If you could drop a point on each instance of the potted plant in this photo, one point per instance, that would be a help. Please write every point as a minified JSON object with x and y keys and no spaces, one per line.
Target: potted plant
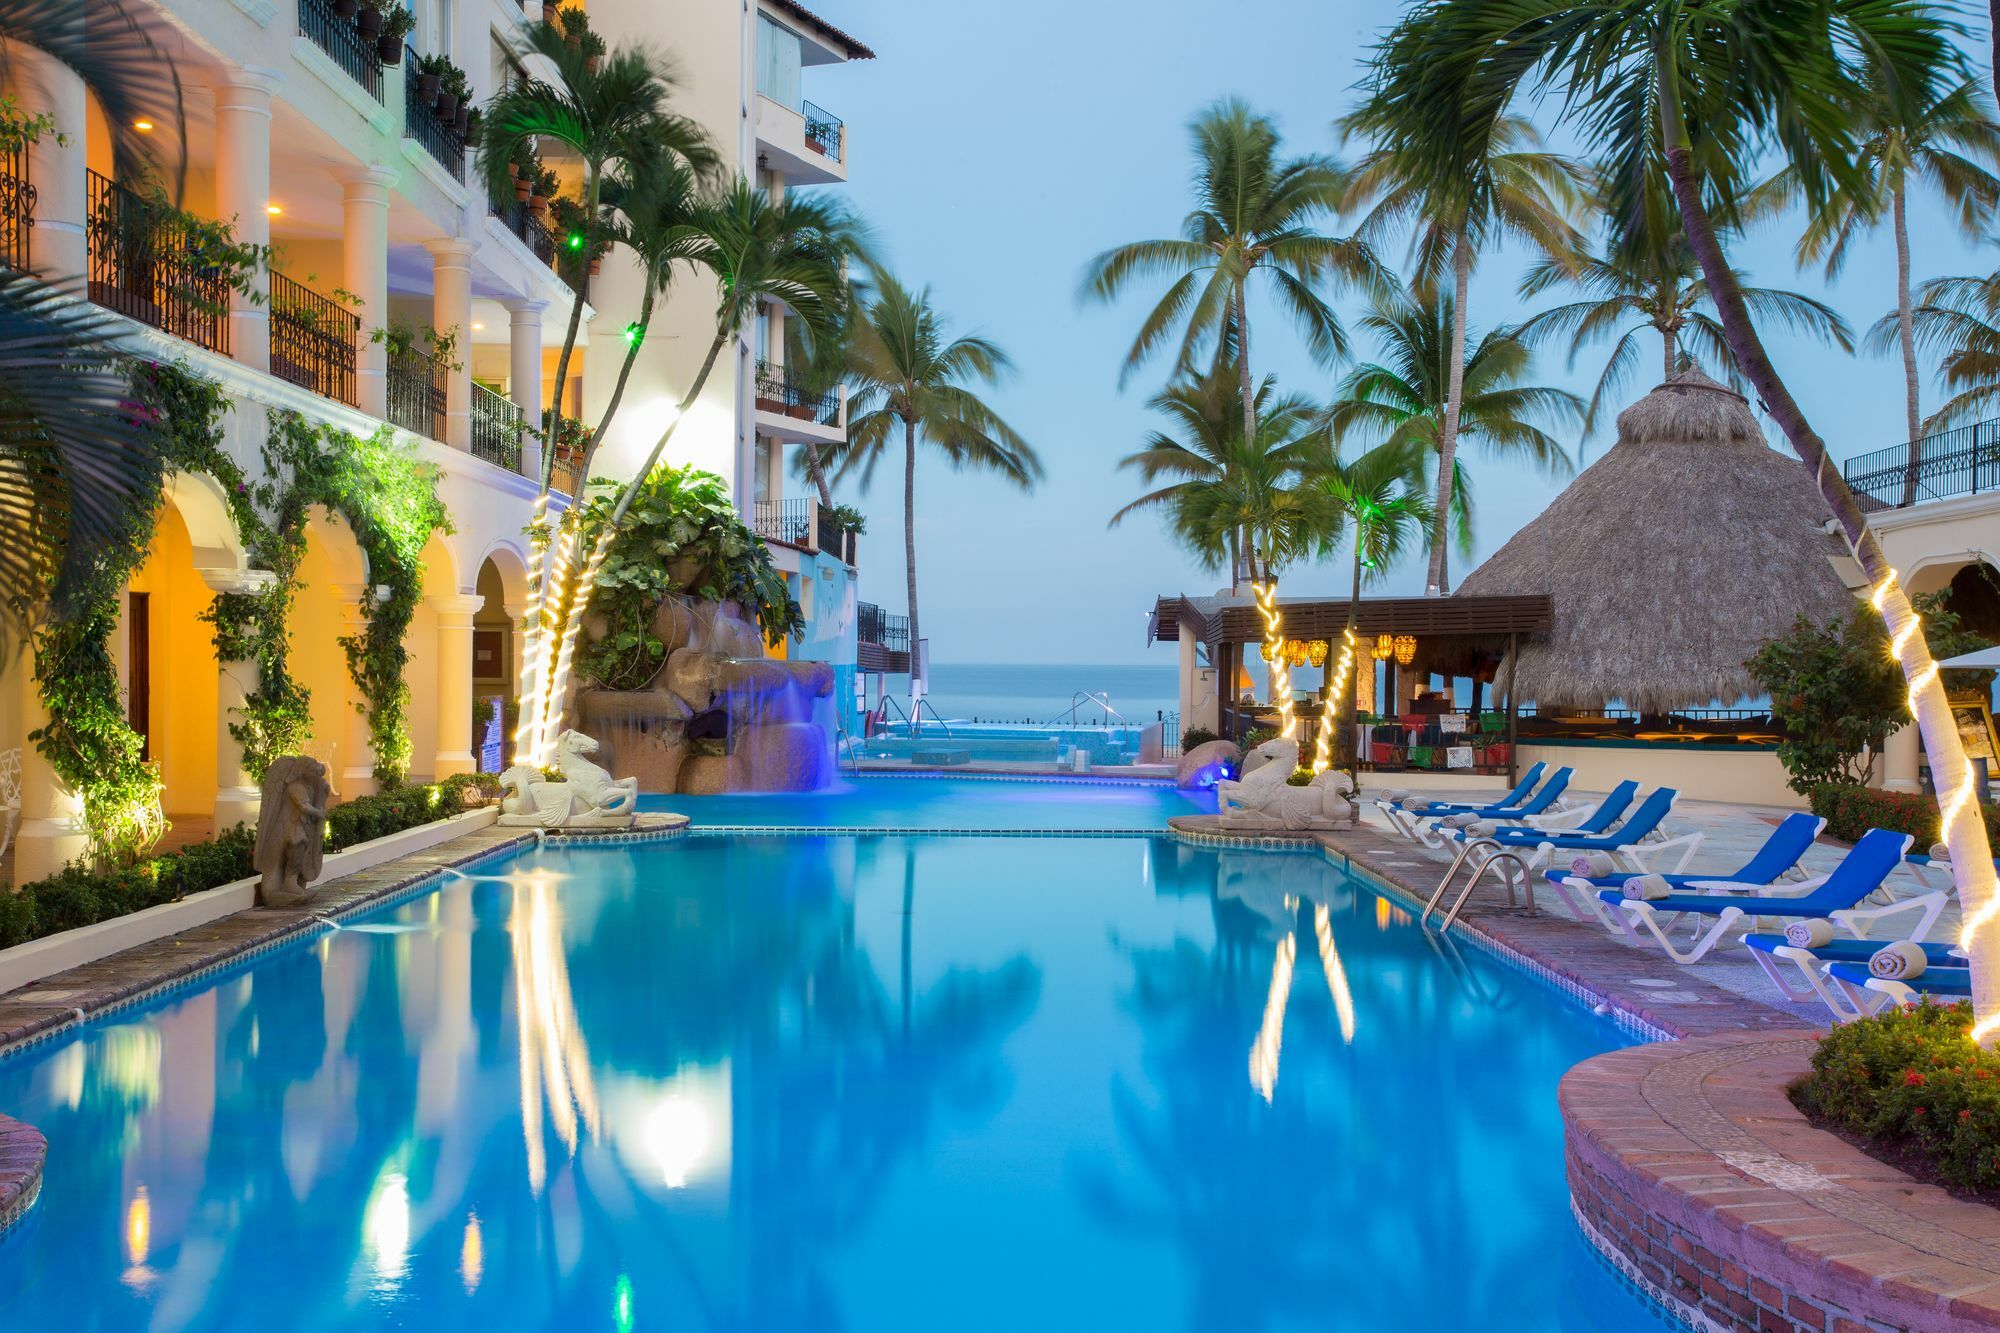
{"x":396,"y":25}
{"x":368,"y":20}
{"x":471,"y":129}
{"x":544,"y":193}
{"x":459,"y":86}
{"x":551,"y":13}
{"x":524,"y":165}
{"x":430,"y":78}
{"x":344,"y":9}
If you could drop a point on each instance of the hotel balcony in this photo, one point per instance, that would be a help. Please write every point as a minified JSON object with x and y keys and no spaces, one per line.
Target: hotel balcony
{"x":804,"y":526}
{"x":1962,"y":461}
{"x":788,"y":411}
{"x":805,"y":145}
{"x":882,"y":640}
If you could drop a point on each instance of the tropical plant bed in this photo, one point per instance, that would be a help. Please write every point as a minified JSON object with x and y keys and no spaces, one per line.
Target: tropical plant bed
{"x":1850,"y":811}
{"x":1913,"y":1090}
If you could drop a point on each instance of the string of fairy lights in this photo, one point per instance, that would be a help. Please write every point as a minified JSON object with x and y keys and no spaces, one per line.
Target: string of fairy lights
{"x":1958,"y":794}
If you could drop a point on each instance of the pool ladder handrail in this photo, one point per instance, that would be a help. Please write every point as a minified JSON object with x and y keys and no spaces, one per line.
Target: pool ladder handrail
{"x":1081,"y":697}
{"x":1497,"y":855}
{"x":923,"y":705}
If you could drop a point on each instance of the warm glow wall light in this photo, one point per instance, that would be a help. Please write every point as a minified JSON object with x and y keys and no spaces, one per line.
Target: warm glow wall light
{"x":1274,"y":653}
{"x":1317,"y":650}
{"x":1385,"y":647}
{"x":1406,"y":649}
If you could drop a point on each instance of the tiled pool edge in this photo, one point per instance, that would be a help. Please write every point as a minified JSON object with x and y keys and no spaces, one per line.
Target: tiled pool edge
{"x":23,"y":1150}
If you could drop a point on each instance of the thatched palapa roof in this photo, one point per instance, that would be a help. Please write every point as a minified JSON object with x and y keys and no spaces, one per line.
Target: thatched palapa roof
{"x":1671,"y":559}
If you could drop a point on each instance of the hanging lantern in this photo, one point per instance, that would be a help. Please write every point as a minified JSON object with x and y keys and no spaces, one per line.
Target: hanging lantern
{"x":1316,"y":652}
{"x":1406,"y":649}
{"x":1385,"y":647}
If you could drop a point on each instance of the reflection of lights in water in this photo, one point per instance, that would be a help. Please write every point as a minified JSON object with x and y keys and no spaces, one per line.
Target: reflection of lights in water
{"x":1264,"y":1051}
{"x":1336,"y":975}
{"x":677,"y":1136}
{"x":386,"y":1225}
{"x":555,"y":1063}
{"x":138,"y":1227}
{"x":621,"y":1304}
{"x":1381,"y":914}
{"x":471,"y":1254}
{"x":121,"y":1062}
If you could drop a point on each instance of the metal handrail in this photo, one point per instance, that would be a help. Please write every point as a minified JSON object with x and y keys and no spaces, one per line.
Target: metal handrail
{"x":146,"y":265}
{"x":416,"y":392}
{"x":822,"y":130}
{"x":343,"y":44}
{"x":1077,"y":701}
{"x":1962,"y":461}
{"x":313,"y":340}
{"x":1508,"y":858}
{"x":17,"y":210}
{"x":497,"y":425}
{"x":421,"y":122}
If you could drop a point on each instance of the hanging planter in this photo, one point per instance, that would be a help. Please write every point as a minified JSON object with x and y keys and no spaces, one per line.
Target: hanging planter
{"x":549,"y":13}
{"x":447,"y":104}
{"x":389,"y":50}
{"x":538,"y":204}
{"x":369,"y":24}
{"x":427,"y":89}
{"x":462,"y":122}
{"x":344,"y":9}
{"x":523,"y":187}
{"x":596,"y":267}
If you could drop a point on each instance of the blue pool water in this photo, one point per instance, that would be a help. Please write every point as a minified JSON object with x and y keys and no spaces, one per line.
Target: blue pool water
{"x":996,"y":804}
{"x":755,"y":1082}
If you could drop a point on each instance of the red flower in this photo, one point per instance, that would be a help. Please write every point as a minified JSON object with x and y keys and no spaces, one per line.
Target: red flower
{"x":1912,"y":1079}
{"x":1918,"y":1111}
{"x":1965,"y":1114}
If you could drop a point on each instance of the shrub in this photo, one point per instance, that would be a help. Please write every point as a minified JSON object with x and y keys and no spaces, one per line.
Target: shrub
{"x":75,"y":896}
{"x":1850,"y":811}
{"x":1301,"y":777}
{"x":1194,"y":736}
{"x":1913,"y":1078}
{"x":1256,"y":736}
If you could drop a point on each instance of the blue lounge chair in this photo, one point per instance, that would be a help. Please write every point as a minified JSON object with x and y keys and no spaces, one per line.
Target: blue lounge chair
{"x":1811,"y":964}
{"x":1872,"y":994}
{"x":1775,"y":859}
{"x":1528,"y":849}
{"x":1425,"y":829}
{"x":1437,"y":809}
{"x":1837,"y":898}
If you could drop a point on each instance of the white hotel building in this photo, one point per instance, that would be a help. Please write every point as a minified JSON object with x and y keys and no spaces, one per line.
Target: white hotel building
{"x":306,"y":140}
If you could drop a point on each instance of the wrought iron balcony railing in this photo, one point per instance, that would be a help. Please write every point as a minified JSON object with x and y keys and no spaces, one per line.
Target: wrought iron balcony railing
{"x":873,"y":625}
{"x":832,"y":536}
{"x":534,"y":233}
{"x":1962,"y":461}
{"x":778,"y":392}
{"x":17,"y":210}
{"x":343,"y":44}
{"x":822,"y":130}
{"x":436,"y":135}
{"x":566,"y":476}
{"x":787,"y":521}
{"x":497,"y":423}
{"x":145,"y":264}
{"x":416,"y":393}
{"x":313,"y":340}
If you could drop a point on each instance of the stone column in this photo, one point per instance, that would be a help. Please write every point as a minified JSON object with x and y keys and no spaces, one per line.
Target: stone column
{"x":237,"y":796}
{"x":454,"y":683}
{"x":243,"y":198}
{"x":451,"y":312}
{"x":59,"y":247}
{"x":358,"y":777}
{"x":1900,"y":757}
{"x":365,"y":272}
{"x":524,"y":376}
{"x":51,"y":831}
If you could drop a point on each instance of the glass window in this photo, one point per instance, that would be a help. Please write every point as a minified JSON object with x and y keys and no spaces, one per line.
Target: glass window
{"x":778,"y":63}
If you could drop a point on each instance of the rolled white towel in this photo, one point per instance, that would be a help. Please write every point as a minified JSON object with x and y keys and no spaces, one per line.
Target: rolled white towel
{"x":1482,"y":828}
{"x":1648,"y":887}
{"x":1940,"y":852}
{"x":1396,"y":795}
{"x":1460,"y":821}
{"x":1593,"y":865}
{"x":1813,"y":934}
{"x":1898,"y":962}
{"x":1412,"y":803}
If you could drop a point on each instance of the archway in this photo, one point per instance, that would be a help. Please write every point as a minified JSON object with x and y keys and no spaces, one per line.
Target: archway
{"x":166,"y":661}
{"x":332,"y":576}
{"x":497,"y":645}
{"x":438,"y":671}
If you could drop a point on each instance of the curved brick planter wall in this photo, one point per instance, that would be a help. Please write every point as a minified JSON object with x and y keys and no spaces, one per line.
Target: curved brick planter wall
{"x":22,"y":1151}
{"x":1693,"y":1171}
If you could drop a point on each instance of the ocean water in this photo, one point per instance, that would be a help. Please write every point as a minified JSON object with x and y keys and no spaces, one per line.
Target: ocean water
{"x":1036,"y":694}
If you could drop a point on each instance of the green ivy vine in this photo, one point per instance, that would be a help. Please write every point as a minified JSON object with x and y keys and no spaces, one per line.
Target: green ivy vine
{"x":388,"y":499}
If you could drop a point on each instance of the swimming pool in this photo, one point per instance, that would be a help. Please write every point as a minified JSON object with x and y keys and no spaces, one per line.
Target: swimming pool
{"x":987,"y":804}
{"x":748,"y":1081}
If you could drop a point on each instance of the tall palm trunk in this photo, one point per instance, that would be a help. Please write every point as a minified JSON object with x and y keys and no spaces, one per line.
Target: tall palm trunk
{"x":1248,"y":393}
{"x":1906,"y":334}
{"x":1670,"y":350}
{"x":1971,"y":854}
{"x":1350,"y":697}
{"x":910,"y":555}
{"x":818,"y":474}
{"x":1461,"y":281}
{"x":591,"y":193}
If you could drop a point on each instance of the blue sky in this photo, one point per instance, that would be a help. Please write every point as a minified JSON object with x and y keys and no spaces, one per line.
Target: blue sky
{"x":995,"y":148}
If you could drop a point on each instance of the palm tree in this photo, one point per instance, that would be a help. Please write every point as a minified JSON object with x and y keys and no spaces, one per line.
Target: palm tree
{"x":1707,"y":85}
{"x":1214,"y":490}
{"x":608,"y":110}
{"x":1660,"y":288}
{"x":1379,"y":500}
{"x":1946,"y":142}
{"x":1405,"y":398}
{"x":907,"y":375}
{"x":1253,"y":213}
{"x":1510,"y":188}
{"x":757,"y":249}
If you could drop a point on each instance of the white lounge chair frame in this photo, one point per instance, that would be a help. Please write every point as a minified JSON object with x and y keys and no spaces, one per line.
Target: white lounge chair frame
{"x":1641,"y":915}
